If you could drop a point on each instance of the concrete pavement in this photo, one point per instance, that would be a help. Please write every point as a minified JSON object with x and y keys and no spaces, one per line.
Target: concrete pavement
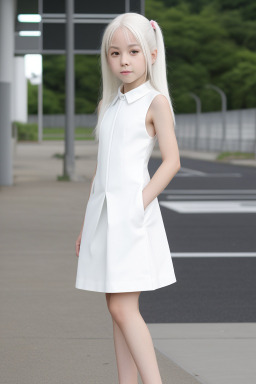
{"x":53,"y":333}
{"x":215,"y":353}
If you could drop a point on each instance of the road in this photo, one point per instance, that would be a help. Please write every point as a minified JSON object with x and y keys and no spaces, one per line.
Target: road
{"x":209,"y":211}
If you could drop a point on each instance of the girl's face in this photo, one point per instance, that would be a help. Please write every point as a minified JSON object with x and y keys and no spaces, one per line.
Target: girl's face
{"x":125,"y":54}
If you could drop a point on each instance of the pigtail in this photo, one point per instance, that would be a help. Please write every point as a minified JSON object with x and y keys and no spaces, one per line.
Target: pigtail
{"x":159,"y":68}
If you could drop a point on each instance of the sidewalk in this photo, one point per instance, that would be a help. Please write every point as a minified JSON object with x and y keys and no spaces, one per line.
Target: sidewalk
{"x":50,"y":331}
{"x":208,"y":156}
{"x":215,"y":353}
{"x":211,"y":156}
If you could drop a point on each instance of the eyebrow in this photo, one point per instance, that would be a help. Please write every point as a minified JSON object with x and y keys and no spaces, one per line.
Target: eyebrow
{"x":129,"y":45}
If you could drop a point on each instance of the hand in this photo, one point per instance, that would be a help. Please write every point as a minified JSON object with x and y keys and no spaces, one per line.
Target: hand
{"x":78,"y":242}
{"x":143,"y":200}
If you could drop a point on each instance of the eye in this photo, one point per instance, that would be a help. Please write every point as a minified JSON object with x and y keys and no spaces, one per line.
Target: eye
{"x":112,"y":54}
{"x":135,"y":51}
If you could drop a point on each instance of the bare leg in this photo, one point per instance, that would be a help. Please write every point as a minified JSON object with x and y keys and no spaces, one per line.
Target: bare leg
{"x":124,"y":309}
{"x":127,"y":370}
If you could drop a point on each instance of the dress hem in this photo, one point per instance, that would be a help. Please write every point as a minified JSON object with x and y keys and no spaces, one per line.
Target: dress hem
{"x":92,"y":286}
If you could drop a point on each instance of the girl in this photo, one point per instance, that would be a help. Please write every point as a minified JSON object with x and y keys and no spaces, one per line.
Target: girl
{"x":122,"y":246}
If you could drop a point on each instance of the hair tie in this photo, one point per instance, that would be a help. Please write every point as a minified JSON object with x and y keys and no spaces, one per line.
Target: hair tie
{"x":153,"y":23}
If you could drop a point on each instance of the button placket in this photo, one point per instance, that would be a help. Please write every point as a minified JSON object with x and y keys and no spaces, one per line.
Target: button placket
{"x":109,"y":148}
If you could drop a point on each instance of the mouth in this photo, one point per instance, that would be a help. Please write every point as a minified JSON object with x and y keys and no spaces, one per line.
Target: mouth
{"x":126,"y":72}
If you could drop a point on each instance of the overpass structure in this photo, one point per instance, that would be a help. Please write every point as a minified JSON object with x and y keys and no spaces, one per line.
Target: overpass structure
{"x":47,"y":27}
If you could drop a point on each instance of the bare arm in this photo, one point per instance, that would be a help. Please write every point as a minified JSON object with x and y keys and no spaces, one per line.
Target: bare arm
{"x":164,"y":127}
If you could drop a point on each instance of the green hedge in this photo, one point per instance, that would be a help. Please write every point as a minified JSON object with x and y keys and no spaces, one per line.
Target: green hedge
{"x":26,"y":132}
{"x":29,"y":132}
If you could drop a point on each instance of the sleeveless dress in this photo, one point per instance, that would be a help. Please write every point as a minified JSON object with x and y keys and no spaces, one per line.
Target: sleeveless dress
{"x":124,"y":247}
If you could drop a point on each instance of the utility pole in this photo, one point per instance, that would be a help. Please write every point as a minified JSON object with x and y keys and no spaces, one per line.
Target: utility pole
{"x":69,"y":158}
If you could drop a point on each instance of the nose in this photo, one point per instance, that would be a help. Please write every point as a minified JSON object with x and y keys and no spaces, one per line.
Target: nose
{"x":124,"y":59}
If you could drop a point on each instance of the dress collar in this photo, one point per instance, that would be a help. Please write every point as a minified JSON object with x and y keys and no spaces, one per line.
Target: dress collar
{"x":133,"y":94}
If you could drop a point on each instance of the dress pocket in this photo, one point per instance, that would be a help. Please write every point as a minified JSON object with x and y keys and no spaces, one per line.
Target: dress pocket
{"x":142,"y":202}
{"x":140,"y":206}
{"x":144,"y":211}
{"x":92,"y":188}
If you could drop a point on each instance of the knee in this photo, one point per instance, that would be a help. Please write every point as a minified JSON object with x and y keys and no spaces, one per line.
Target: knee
{"x":118,"y":311}
{"x":108,"y":295}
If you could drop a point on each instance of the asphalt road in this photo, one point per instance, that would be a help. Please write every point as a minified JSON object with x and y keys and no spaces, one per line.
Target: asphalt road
{"x":208,"y":207}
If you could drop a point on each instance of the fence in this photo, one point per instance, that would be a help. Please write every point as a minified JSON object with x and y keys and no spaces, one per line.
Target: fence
{"x":205,"y":132}
{"x":208,"y":133}
{"x":54,"y":121}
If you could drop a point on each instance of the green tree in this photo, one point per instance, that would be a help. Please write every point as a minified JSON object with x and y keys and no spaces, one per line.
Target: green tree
{"x":207,"y":41}
{"x":202,"y":47}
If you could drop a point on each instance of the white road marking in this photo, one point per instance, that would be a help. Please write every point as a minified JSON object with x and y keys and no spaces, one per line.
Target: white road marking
{"x":209,"y":175}
{"x":213,"y":254}
{"x":194,"y":194}
{"x":221,"y":197}
{"x":236,"y":206}
{"x":188,"y":172}
{"x":192,"y":171}
{"x":205,"y":191}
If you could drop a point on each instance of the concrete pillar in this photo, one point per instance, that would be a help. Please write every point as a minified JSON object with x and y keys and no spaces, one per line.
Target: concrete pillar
{"x":7,"y":14}
{"x":20,"y":91}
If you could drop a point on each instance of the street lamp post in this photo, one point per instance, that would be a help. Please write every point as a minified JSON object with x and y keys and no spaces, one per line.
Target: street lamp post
{"x":224,"y":110}
{"x":198,"y":112}
{"x":36,"y":79}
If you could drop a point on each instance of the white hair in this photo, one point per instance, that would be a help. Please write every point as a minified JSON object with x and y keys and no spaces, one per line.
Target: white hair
{"x":149,"y":39}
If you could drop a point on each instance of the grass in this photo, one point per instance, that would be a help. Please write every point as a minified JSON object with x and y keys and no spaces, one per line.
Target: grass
{"x":29,"y":132}
{"x":61,"y":156}
{"x":235,"y":156}
{"x":63,"y":178}
{"x":58,"y":133}
{"x":58,"y":155}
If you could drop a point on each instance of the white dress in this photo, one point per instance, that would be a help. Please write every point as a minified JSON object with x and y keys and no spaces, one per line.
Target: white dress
{"x":124,"y":247}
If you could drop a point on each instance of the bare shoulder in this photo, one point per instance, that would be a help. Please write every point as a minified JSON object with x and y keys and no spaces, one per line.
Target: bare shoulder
{"x":160,"y":102}
{"x":157,"y":106}
{"x":160,"y":109}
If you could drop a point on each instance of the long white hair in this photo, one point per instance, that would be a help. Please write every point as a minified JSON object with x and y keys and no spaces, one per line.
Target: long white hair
{"x":149,"y":39}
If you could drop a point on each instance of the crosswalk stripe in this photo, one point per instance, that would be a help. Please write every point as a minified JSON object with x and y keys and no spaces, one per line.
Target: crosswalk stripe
{"x":213,"y":254}
{"x":209,"y":191}
{"x":220,"y":197}
{"x":214,"y":207}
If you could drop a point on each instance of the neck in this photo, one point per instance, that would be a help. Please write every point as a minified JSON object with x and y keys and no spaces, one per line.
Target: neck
{"x":128,"y":87}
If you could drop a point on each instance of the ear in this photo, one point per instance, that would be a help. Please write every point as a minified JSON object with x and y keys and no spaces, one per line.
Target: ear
{"x":153,"y":56}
